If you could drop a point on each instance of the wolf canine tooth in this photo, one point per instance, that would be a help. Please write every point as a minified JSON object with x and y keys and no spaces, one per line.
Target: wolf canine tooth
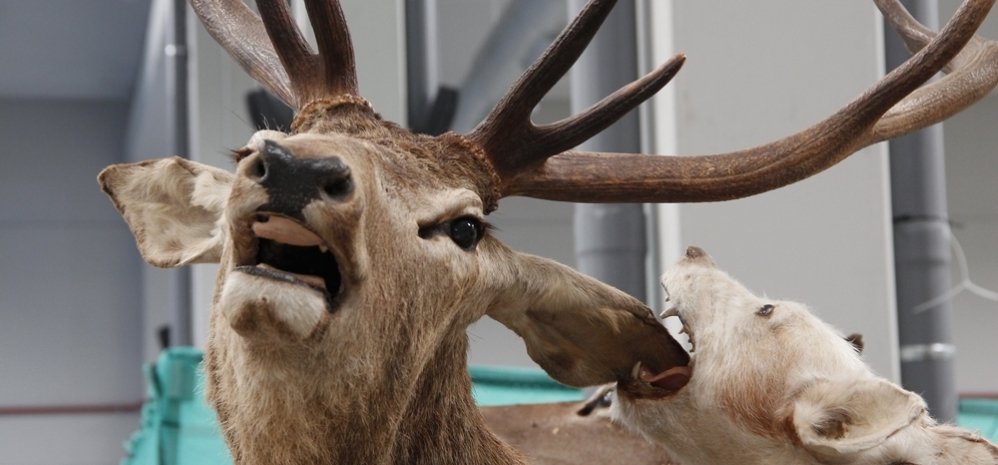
{"x":672,"y":311}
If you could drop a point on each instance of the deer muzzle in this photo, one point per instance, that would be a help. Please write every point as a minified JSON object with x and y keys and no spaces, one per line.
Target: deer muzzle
{"x":293,"y":183}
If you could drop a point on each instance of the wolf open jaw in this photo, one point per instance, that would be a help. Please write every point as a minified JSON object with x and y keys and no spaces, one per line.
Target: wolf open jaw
{"x":771,"y":383}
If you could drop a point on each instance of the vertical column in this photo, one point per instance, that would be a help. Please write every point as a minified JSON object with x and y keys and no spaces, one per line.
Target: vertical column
{"x":610,"y":239}
{"x":921,"y":249}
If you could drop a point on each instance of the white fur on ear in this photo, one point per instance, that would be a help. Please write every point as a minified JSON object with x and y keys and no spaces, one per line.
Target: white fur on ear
{"x":172,"y":206}
{"x":836,"y":420}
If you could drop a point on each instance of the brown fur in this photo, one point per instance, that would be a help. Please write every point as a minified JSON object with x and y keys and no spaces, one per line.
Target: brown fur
{"x":383,"y":378}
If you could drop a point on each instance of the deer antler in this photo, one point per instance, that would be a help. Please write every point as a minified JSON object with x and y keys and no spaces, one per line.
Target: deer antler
{"x":507,"y":130}
{"x":273,"y":51}
{"x":531,"y":161}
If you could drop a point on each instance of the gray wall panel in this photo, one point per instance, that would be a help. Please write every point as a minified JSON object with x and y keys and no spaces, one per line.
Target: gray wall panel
{"x":69,"y":293}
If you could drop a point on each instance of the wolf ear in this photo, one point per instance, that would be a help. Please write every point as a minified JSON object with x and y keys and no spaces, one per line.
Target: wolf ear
{"x":172,"y":206}
{"x":835,"y":421}
{"x":581,"y":331}
{"x":856,"y":340}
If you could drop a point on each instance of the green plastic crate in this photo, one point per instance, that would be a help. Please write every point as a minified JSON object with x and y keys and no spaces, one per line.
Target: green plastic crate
{"x":493,"y":385}
{"x":178,"y":427}
{"x":980,"y":415}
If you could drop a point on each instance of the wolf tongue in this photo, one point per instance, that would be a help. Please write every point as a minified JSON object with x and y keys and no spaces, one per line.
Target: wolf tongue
{"x":672,"y":379}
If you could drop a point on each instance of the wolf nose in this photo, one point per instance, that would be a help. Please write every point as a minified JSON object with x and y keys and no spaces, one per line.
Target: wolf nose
{"x":694,"y":252}
{"x":293,"y":183}
{"x":698,"y":255}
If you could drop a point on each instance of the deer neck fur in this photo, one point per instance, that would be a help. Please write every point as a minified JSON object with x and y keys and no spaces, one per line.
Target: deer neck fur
{"x":442,"y":424}
{"x":283,"y":411}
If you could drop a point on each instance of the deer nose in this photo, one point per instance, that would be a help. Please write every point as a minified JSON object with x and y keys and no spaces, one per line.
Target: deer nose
{"x":293,"y":183}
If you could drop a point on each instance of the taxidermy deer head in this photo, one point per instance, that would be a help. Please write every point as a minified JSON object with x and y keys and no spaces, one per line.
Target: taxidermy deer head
{"x":354,"y":253}
{"x":780,"y":386}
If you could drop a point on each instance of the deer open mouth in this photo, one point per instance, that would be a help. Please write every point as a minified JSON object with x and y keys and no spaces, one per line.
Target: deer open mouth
{"x":289,"y":252}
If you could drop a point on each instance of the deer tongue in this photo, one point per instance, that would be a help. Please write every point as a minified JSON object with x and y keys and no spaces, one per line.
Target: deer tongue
{"x":285,"y":231}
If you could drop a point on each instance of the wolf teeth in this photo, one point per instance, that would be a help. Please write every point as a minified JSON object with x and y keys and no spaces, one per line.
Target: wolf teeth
{"x":672,"y":311}
{"x":687,"y":331}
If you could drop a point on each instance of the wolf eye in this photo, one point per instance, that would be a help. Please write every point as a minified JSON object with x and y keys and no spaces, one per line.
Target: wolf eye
{"x":765,"y":310}
{"x":465,"y":232}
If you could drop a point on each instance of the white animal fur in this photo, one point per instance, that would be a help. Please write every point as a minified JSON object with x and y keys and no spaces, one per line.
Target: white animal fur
{"x":783,"y":389}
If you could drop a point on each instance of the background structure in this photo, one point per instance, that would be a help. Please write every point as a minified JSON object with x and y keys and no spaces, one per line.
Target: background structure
{"x":79,"y":312}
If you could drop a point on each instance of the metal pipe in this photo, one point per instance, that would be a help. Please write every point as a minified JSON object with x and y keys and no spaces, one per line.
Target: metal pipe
{"x":420,"y":59}
{"x":176,"y":62}
{"x":921,"y":249}
{"x":610,"y":240}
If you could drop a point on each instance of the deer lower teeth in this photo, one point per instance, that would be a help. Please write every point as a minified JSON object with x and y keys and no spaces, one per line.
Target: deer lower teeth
{"x":311,"y":280}
{"x":312,"y":266}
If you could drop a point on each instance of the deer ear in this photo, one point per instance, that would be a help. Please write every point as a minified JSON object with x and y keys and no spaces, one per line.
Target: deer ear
{"x":837,"y":420}
{"x":172,"y":206}
{"x":581,"y":331}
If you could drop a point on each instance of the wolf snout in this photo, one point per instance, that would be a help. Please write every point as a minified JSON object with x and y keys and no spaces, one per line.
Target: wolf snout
{"x":697,"y":255}
{"x":695,"y":252}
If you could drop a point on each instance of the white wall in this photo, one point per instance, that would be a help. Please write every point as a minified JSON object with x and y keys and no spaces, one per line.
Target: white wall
{"x":757,"y":71}
{"x":69,"y":302}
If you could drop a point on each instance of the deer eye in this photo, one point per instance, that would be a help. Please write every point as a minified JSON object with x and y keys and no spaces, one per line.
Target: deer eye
{"x":465,"y":232}
{"x":765,"y":310}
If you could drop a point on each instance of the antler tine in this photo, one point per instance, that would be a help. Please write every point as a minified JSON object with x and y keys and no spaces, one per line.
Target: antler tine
{"x":241,"y":33}
{"x":875,"y":115}
{"x":567,"y":133}
{"x":537,"y":80}
{"x":333,"y":37}
{"x":971,"y":75}
{"x":295,"y":54}
{"x":510,"y":119}
{"x":273,"y":51}
{"x":914,"y":33}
